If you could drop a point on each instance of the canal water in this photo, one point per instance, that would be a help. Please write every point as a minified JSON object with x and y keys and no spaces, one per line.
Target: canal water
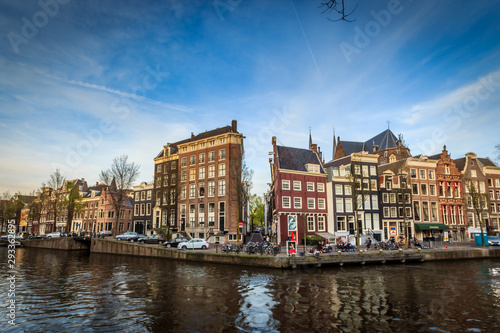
{"x":58,"y":291}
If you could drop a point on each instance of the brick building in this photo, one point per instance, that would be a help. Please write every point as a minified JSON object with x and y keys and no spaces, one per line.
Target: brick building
{"x":299,"y":192}
{"x":198,"y":185}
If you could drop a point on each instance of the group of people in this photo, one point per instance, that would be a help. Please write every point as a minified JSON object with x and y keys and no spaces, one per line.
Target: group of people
{"x":322,"y":247}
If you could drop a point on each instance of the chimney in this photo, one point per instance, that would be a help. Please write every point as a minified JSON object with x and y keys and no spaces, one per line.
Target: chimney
{"x":234,"y":126}
{"x":314,"y":148}
{"x":192,"y":135}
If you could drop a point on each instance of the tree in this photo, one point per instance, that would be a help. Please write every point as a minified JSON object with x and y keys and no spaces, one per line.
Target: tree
{"x":71,"y":202}
{"x":256,"y":210}
{"x":13,"y":209}
{"x":4,"y":199}
{"x":119,"y":180}
{"x":241,"y":178}
{"x":338,"y":7}
{"x":56,"y":182}
{"x":476,"y":201}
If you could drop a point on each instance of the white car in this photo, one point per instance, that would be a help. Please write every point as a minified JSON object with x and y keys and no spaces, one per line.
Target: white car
{"x":54,"y":235}
{"x":195,"y":243}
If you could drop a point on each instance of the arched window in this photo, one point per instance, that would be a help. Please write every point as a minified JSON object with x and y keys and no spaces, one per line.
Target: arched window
{"x":392,"y":158}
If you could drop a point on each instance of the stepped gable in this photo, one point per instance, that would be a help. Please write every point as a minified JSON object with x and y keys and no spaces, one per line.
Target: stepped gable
{"x":296,"y":158}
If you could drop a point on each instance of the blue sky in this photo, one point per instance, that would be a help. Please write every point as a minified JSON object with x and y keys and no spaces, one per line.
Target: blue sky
{"x":85,"y":81}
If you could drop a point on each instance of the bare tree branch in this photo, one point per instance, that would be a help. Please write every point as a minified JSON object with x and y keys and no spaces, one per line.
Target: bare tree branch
{"x":337,"y":6}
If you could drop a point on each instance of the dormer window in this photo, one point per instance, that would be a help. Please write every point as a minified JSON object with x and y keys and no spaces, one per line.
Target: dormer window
{"x":312,"y":168}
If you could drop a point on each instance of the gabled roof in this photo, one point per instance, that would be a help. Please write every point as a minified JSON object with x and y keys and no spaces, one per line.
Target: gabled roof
{"x":486,"y":161}
{"x":296,"y":158}
{"x":383,"y":141}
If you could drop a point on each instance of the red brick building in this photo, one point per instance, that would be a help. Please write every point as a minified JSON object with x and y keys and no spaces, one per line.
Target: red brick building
{"x":299,"y":192}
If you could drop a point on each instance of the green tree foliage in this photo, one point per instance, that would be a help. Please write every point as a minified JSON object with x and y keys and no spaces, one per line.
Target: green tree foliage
{"x":256,"y":211}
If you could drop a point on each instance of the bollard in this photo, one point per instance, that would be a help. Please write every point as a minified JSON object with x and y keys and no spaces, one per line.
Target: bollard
{"x":339,"y":253}
{"x":419,"y":250}
{"x":380,"y":251}
{"x":400,"y":251}
{"x":360,"y":252}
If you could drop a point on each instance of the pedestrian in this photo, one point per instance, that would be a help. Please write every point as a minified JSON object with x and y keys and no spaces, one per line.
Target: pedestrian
{"x":368,"y":243}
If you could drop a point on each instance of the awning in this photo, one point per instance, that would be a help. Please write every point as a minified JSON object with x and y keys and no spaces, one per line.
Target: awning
{"x":326,"y":235}
{"x":431,"y":226}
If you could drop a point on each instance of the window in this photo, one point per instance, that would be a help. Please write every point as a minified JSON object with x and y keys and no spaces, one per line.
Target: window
{"x":373,"y":183}
{"x":413,"y":173}
{"x":148,"y":209}
{"x":321,"y":187}
{"x":211,"y":207}
{"x":367,"y":202}
{"x":183,"y":192}
{"x":211,"y":156}
{"x":364,"y":168}
{"x":341,"y":223}
{"x":211,"y":189}
{"x":183,"y":161}
{"x":348,"y":204}
{"x":285,"y":202}
{"x":192,"y":174}
{"x":310,"y":223}
{"x":149,"y":194}
{"x":394,"y":212}
{"x":211,"y":142}
{"x":137,"y":196}
{"x":297,"y":202}
{"x":386,"y":212}
{"x":422,"y":174}
{"x":222,"y":170}
{"x":201,"y":172}
{"x":393,"y":197}
{"x":374,"y":202}
{"x":425,"y":210}
{"x":447,"y":169}
{"x":222,"y":154}
{"x":339,"y":205}
{"x":297,"y":185}
{"x":368,"y":221}
{"x":335,"y":171}
{"x":321,"y":223}
{"x":338,"y":189}
{"x":392,"y":158}
{"x":201,"y":186}
{"x":192,"y":190}
{"x":211,"y":171}
{"x":173,"y":166}
{"x":414,"y":189}
{"x":376,"y":221}
{"x":173,"y":179}
{"x":183,"y":175}
{"x":373,"y":171}
{"x":310,"y":186}
{"x":423,"y":189}
{"x":385,"y":197}
{"x":416,"y":210}
{"x":357,"y":169}
{"x":201,"y":157}
{"x":473,"y":173}
{"x":192,"y":159}
{"x":321,"y":203}
{"x":136,"y":210}
{"x":348,"y":189}
{"x":158,"y":168}
{"x":222,"y":187}
{"x":431,"y":174}
{"x":222,"y":140}
{"x":432,"y":189}
{"x":285,"y":184}
{"x":311,"y":204}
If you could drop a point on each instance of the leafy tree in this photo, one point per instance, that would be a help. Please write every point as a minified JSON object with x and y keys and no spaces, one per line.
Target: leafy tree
{"x":256,"y":210}
{"x":71,"y":202}
{"x":119,"y":180}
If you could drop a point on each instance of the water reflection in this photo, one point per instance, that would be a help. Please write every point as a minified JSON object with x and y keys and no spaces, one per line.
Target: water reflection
{"x":62,"y":291}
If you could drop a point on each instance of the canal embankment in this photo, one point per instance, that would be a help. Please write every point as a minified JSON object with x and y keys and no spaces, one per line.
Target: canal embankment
{"x":59,"y":243}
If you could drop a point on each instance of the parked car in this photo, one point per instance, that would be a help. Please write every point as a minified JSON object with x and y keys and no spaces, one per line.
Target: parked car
{"x":104,"y":233}
{"x":493,"y":241}
{"x":54,"y":235}
{"x":174,"y":242}
{"x":195,"y":243}
{"x":128,"y":236}
{"x":38,"y":237}
{"x":152,"y":239}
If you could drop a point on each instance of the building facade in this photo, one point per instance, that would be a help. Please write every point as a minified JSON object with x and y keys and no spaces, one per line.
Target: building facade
{"x":143,"y":209}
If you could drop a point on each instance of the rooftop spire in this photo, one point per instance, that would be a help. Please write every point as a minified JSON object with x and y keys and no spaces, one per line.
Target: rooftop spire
{"x":310,"y":138}
{"x":334,"y":144}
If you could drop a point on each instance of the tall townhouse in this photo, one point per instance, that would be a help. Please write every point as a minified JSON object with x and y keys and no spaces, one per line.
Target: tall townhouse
{"x":143,"y":209}
{"x":450,"y":196}
{"x":478,"y":180}
{"x":205,"y":199}
{"x":85,"y":219}
{"x":353,"y":187}
{"x":492,"y":173}
{"x":299,"y":192}
{"x":395,"y":200}
{"x":425,"y":200}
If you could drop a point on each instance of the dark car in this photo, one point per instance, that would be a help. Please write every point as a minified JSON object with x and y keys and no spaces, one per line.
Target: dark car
{"x":152,"y":239}
{"x":174,"y":242}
